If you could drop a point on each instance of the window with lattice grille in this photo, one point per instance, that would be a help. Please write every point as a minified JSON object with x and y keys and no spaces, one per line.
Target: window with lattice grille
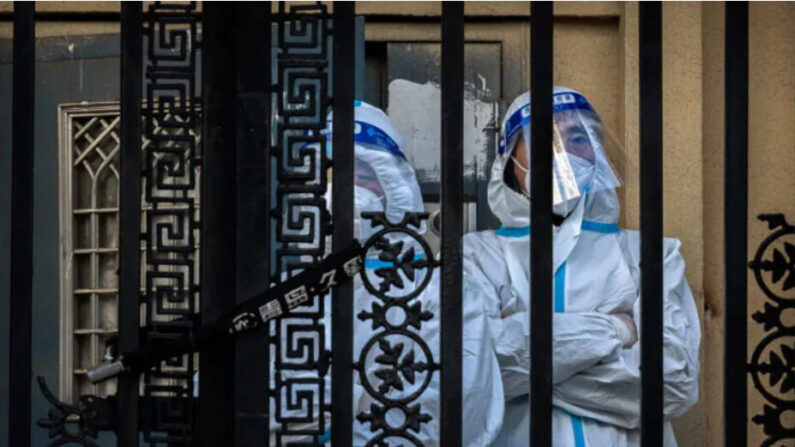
{"x":89,"y":145}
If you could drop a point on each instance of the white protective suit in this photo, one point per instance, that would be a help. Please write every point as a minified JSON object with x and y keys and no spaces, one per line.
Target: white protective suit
{"x":402,"y":195}
{"x":379,"y":160}
{"x":596,"y":381}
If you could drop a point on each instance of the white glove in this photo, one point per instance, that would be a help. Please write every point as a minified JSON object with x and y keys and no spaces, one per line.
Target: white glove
{"x":626,"y":331}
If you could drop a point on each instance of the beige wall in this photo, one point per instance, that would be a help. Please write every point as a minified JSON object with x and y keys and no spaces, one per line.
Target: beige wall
{"x":771,"y":166}
{"x":771,"y":171}
{"x":596,"y":51}
{"x":712,"y":345}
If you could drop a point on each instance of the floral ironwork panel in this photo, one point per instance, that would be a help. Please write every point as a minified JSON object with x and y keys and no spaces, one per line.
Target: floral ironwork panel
{"x":772,"y":364}
{"x":396,"y":363}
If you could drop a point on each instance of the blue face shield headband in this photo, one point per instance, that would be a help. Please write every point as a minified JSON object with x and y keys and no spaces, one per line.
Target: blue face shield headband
{"x":521,"y":118}
{"x":364,"y":133}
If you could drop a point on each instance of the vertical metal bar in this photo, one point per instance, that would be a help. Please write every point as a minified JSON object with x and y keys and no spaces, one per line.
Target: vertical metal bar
{"x":342,"y":308}
{"x":130,"y":214}
{"x":252,"y":59}
{"x":651,"y":190}
{"x":452,"y":184}
{"x":219,"y":229}
{"x":266,"y":225}
{"x":541,"y":223}
{"x":735,"y":221}
{"x":19,"y":368}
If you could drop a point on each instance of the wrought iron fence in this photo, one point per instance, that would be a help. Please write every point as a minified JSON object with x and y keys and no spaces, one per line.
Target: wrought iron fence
{"x":254,"y":235}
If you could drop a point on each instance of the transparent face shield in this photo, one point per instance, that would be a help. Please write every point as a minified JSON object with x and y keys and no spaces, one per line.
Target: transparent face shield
{"x":579,"y":148}
{"x":365,"y":177}
{"x":368,"y":197}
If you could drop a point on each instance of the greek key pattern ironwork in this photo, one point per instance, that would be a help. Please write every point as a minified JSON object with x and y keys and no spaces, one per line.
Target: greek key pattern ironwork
{"x":396,"y":364}
{"x":171,"y":228}
{"x":772,"y":366}
{"x":299,"y":344}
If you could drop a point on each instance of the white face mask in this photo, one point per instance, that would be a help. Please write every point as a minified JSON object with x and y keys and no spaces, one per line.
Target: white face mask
{"x":327,"y":197}
{"x":364,"y":201}
{"x":524,"y":189}
{"x":583,"y":171}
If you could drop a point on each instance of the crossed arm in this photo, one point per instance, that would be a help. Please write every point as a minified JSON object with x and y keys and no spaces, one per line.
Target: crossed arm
{"x":593,"y":375}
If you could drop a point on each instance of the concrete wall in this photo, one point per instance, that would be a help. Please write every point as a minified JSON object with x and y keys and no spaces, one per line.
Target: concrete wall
{"x":596,"y":51}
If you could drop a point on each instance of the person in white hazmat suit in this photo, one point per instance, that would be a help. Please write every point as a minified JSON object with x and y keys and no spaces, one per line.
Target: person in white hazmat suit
{"x":596,"y":353}
{"x":384,"y":181}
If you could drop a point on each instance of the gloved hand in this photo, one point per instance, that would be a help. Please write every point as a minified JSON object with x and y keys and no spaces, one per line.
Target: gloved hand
{"x":626,"y":331}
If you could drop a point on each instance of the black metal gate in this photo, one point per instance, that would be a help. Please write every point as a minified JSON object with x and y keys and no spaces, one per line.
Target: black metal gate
{"x":254,"y":199}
